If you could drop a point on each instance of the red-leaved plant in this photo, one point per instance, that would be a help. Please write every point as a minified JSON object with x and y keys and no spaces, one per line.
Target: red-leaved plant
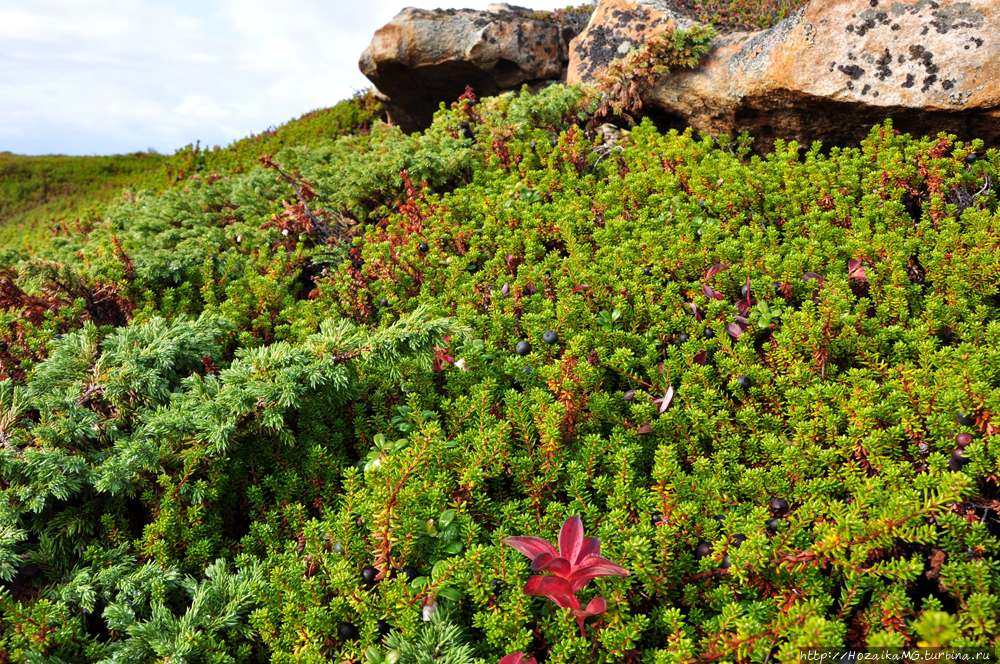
{"x":577,"y":561}
{"x":518,"y":658}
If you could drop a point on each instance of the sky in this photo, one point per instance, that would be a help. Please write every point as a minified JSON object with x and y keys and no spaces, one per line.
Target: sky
{"x":97,"y":77}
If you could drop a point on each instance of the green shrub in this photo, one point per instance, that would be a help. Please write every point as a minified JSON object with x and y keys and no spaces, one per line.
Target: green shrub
{"x":283,"y":412}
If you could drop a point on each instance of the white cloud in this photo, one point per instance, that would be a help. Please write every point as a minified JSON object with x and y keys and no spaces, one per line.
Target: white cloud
{"x":111,"y":76}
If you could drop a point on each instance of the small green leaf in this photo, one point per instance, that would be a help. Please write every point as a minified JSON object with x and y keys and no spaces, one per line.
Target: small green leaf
{"x":446,"y":518}
{"x":454,"y":594}
{"x":437,"y":569}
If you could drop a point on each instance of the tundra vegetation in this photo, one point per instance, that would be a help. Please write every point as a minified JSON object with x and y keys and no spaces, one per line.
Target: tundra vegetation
{"x":335,"y":400}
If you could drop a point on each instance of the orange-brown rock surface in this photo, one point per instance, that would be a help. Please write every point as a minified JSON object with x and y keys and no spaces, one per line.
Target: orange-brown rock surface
{"x":827,"y":73}
{"x":422,"y":58}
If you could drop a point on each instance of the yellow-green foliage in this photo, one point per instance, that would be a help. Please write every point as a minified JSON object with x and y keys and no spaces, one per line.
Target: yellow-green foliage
{"x":294,"y":446}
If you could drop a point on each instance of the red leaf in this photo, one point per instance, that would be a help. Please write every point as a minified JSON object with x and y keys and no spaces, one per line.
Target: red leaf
{"x":517,"y":658}
{"x":715,"y":269}
{"x":743,"y":306}
{"x":571,"y":538}
{"x":734,"y":330}
{"x":701,"y":358}
{"x":809,"y":276}
{"x":577,"y":289}
{"x":666,"y":399}
{"x":558,"y":566}
{"x":531,"y":546}
{"x":597,"y":605}
{"x":711,"y":292}
{"x":856,"y":271}
{"x":546,"y":586}
{"x":603,"y":565}
{"x":541,"y":561}
{"x":645,"y":428}
{"x":694,"y":309}
{"x":564,"y":601}
{"x":591,"y":547}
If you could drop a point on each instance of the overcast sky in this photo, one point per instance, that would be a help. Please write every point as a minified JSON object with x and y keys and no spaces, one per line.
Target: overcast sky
{"x":86,"y":77}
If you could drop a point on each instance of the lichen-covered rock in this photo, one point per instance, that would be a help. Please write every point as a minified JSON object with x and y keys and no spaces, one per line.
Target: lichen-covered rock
{"x":615,"y":28}
{"x":422,"y":58}
{"x":828,"y":72}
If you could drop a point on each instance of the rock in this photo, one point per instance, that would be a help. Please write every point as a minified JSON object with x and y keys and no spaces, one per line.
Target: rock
{"x":828,"y":72}
{"x":421,"y":58}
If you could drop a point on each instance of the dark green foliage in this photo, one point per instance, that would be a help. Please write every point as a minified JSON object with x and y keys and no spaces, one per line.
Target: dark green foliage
{"x":262,"y":428}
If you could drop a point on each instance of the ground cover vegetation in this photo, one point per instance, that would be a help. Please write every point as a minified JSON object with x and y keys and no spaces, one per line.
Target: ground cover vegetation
{"x":56,"y":194}
{"x":501,"y":389}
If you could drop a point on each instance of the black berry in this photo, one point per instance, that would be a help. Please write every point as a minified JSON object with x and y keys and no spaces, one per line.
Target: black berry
{"x":773,"y":525}
{"x":971,"y":158}
{"x":737,"y":540}
{"x":656,"y":518}
{"x":683,"y":337}
{"x":527,"y":370}
{"x":709,"y":333}
{"x":648,"y":271}
{"x":494,"y":584}
{"x":347,"y":632}
{"x":744,"y":291}
{"x":958,"y":456}
{"x":522,"y":348}
{"x":702,"y":550}
{"x":338,"y":548}
{"x":58,"y":337}
{"x":964,"y":420}
{"x":423,"y":246}
{"x":532,"y":145}
{"x":384,"y":303}
{"x":779,"y":507}
{"x":725,"y":562}
{"x":383,"y":627}
{"x":744,"y":382}
{"x":466,"y":130}
{"x":516,"y":385}
{"x":963,"y":439}
{"x":368,"y":575}
{"x":550,"y":337}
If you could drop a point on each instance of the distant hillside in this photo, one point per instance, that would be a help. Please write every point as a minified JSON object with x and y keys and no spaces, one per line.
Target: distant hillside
{"x":48,"y":195}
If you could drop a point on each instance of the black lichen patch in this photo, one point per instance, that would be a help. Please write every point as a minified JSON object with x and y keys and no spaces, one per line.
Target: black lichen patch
{"x":854,"y":71}
{"x":882,"y":70}
{"x":910,"y":81}
{"x":928,"y":82}
{"x":600,"y":49}
{"x":926,"y":58}
{"x":947,"y":84}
